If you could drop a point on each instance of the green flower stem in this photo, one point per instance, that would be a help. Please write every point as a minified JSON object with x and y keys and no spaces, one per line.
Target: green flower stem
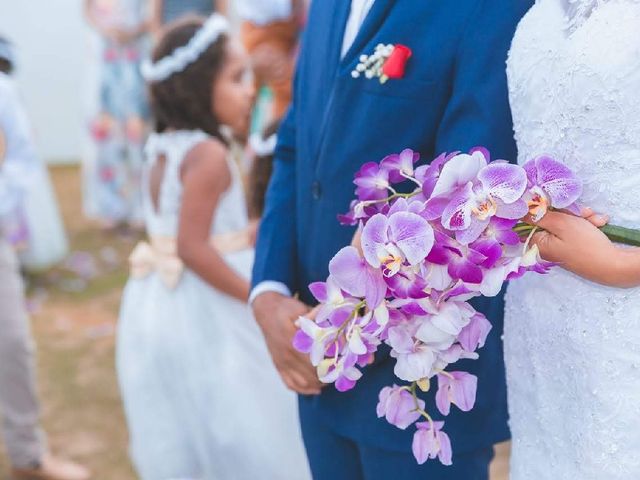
{"x":625,"y":236}
{"x":392,"y":197}
{"x":352,"y":316}
{"x":414,"y":394}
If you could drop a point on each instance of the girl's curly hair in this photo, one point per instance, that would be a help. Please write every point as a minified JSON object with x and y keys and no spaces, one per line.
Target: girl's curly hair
{"x":183,"y":101}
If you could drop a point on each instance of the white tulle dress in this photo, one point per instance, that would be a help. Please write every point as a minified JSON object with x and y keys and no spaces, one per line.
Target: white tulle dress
{"x":201,"y":395}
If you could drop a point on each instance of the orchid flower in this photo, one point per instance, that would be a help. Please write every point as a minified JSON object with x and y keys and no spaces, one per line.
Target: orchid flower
{"x":430,"y":441}
{"x":400,"y":166}
{"x":550,"y":184}
{"x":458,"y":388}
{"x":392,"y":241}
{"x":497,"y":191}
{"x":372,"y":182}
{"x":397,"y":405}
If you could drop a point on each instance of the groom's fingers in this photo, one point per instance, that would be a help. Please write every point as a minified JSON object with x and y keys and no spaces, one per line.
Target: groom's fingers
{"x":300,"y":379}
{"x":294,"y":384}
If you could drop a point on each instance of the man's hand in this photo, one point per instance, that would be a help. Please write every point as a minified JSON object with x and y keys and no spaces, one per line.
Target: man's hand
{"x":276,"y":315}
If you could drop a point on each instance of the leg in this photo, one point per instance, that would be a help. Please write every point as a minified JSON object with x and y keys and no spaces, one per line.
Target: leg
{"x":18,"y":398}
{"x":109,"y":173}
{"x":383,"y":464}
{"x":331,"y":456}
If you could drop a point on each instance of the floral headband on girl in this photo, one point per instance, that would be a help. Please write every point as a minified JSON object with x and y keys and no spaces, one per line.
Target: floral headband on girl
{"x":184,"y":56}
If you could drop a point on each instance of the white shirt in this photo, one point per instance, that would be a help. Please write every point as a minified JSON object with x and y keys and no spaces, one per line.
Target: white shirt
{"x":359,"y":11}
{"x":262,"y":12}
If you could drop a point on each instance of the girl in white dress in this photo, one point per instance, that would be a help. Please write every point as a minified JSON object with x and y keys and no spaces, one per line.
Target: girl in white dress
{"x":202,"y":398}
{"x":572,"y":337}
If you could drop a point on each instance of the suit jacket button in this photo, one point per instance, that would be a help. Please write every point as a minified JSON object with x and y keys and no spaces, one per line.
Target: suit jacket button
{"x":316,"y":190}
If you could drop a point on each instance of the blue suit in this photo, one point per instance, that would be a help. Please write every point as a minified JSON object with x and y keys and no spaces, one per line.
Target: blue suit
{"x":453,"y":97}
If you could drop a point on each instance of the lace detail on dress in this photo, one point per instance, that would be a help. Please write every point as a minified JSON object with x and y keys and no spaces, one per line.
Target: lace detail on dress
{"x":579,"y":11}
{"x":572,"y":348}
{"x":231,"y":212}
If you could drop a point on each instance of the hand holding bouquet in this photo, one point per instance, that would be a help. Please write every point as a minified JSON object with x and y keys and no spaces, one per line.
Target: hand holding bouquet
{"x":457,"y":235}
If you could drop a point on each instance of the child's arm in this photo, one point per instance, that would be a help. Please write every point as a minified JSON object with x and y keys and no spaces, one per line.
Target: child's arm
{"x":205,"y":177}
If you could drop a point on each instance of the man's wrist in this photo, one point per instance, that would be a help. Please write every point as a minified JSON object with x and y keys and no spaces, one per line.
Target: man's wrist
{"x":268,"y":286}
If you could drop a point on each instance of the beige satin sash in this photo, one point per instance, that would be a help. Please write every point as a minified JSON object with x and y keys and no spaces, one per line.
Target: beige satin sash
{"x":159,"y":255}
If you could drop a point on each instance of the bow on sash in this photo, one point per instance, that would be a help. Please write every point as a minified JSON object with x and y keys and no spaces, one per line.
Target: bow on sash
{"x":159,"y":257}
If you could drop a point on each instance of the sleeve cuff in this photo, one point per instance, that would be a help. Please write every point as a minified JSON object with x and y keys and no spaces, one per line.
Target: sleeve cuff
{"x":269,"y":286}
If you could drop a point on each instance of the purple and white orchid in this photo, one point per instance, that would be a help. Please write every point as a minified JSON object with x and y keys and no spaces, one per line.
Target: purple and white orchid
{"x":456,"y":235}
{"x":550,"y":184}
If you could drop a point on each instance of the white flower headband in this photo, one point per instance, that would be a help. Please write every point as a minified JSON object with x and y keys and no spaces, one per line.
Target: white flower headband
{"x":263,"y":147}
{"x":182,"y":57}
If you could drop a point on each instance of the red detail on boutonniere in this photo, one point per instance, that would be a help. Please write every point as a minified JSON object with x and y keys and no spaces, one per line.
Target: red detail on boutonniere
{"x":395,"y":65}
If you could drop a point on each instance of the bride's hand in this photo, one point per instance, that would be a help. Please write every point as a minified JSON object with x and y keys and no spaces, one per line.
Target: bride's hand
{"x":577,"y":245}
{"x":594,"y":218}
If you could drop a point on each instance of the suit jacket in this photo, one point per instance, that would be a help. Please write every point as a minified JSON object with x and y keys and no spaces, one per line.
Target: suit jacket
{"x":453,"y":97}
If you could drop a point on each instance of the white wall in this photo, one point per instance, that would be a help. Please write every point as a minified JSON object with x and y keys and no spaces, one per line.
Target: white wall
{"x":54,"y":70}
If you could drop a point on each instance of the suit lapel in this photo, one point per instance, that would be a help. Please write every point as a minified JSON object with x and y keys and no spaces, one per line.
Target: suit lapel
{"x":335,"y":14}
{"x":372,"y":23}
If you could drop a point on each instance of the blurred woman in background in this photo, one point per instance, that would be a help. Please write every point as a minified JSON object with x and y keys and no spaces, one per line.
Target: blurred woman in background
{"x":112,"y":192}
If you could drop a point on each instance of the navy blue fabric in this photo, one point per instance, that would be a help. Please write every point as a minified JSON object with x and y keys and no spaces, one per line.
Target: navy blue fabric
{"x":452,"y":97}
{"x":333,"y":457}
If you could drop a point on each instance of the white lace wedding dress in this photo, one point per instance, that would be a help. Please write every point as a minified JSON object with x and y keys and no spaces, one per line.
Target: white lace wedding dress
{"x":572,"y":347}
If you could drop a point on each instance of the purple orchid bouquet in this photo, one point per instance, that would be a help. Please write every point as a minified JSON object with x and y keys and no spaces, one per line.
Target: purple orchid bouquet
{"x":423,"y":256}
